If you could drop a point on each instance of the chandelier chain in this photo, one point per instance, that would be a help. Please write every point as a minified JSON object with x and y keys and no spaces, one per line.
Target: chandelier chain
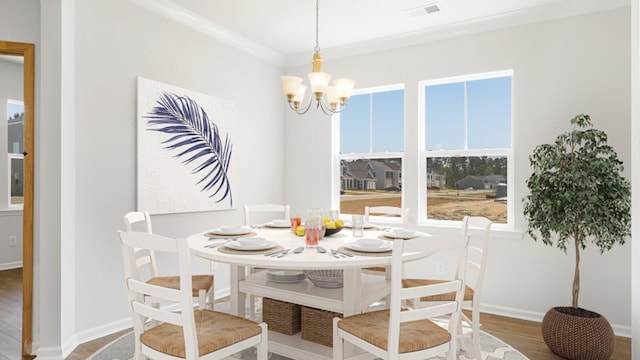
{"x":317,"y":48}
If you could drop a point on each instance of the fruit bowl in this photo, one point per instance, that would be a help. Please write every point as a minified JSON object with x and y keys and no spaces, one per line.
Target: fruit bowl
{"x":329,"y":232}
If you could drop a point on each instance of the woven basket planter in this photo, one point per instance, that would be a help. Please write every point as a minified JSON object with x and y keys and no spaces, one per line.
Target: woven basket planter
{"x":317,"y":325}
{"x":578,"y":334}
{"x":281,"y":316}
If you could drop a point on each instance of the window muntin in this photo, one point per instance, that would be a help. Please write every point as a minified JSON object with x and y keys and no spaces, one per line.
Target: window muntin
{"x":467,"y":147}
{"x":371,"y":149}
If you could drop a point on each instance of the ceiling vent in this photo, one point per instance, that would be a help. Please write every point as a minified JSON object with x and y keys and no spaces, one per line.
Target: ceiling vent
{"x":424,"y":10}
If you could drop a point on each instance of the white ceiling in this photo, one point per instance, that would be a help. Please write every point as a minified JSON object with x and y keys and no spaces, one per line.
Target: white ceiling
{"x":287,"y":27}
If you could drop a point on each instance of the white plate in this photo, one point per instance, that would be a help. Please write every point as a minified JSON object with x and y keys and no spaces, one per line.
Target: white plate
{"x":355,"y":246}
{"x":285,"y":276}
{"x":277,"y":225}
{"x":241,"y":231}
{"x":366,"y":226}
{"x":395,"y":235}
{"x":237,"y":246}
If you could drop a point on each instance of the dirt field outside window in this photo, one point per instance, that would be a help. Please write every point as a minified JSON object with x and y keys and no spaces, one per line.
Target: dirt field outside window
{"x":441,"y":204}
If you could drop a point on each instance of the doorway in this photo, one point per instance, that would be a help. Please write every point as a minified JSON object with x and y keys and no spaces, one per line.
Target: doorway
{"x":27,"y":52}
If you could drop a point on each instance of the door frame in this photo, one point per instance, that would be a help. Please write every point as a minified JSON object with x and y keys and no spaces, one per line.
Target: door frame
{"x":27,"y":51}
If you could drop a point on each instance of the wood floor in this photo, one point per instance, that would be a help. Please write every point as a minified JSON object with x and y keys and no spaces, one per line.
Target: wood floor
{"x":523,"y":335}
{"x":10,"y":314}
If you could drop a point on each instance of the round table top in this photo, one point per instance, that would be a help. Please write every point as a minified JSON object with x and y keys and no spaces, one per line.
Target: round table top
{"x":310,"y":258}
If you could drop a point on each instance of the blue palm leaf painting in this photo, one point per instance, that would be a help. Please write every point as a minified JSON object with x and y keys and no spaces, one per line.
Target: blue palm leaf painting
{"x":196,"y":139}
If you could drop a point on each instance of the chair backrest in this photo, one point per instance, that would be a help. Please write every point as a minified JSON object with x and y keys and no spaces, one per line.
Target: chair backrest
{"x":135,"y":220}
{"x":146,"y":258}
{"x":390,"y":211}
{"x":138,"y":289}
{"x":479,"y":230}
{"x":280,"y":211}
{"x":415,"y":249}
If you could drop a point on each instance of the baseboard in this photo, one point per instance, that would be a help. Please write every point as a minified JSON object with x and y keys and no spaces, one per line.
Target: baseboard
{"x":50,"y":353}
{"x":102,"y":331}
{"x":619,"y":330}
{"x":11,"y":265}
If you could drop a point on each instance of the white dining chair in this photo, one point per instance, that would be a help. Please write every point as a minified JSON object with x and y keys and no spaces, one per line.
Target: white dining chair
{"x":400,"y":333}
{"x":387,"y":211}
{"x":163,"y":333}
{"x":147,"y":263}
{"x":276,"y":210}
{"x":479,"y":230}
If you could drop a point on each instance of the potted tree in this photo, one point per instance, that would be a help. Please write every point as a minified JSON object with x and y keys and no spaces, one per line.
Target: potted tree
{"x":578,"y":196}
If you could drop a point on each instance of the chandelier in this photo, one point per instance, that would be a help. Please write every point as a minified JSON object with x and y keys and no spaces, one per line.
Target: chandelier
{"x":330,"y":99}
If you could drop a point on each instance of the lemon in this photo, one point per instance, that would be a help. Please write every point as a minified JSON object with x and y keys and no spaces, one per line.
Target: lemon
{"x":339,"y":223}
{"x":300,"y":230}
{"x":330,"y":225}
{"x":326,"y":219}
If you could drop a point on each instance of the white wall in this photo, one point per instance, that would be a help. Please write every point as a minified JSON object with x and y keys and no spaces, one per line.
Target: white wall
{"x":115,"y":42}
{"x":561,"y":68}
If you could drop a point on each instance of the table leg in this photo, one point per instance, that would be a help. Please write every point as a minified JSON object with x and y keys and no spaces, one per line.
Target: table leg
{"x":237,"y":297}
{"x":352,"y":301}
{"x":352,"y":292}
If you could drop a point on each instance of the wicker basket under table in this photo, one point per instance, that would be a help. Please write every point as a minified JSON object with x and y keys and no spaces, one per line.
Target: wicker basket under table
{"x":317,"y":325}
{"x":281,"y":316}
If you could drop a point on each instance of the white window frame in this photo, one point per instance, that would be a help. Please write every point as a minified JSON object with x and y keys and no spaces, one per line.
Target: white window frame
{"x":424,"y":154}
{"x":369,"y":155}
{"x":11,"y":156}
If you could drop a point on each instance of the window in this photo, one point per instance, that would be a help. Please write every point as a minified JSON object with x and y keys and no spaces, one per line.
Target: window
{"x":467,"y":147}
{"x":371,"y":149}
{"x":15,"y":130}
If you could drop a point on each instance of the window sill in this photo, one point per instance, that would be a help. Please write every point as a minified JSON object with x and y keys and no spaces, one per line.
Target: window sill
{"x":444,"y":229}
{"x":11,"y":212}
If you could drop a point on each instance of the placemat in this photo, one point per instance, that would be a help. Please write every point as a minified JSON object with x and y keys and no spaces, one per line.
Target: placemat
{"x":363,"y":253}
{"x":273,"y":250}
{"x":218,"y":236}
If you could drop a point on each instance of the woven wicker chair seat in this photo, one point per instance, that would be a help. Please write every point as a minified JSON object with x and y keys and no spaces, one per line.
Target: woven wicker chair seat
{"x":199,"y":282}
{"x":215,"y":330}
{"x":373,"y":327}
{"x":376,"y":268}
{"x":407,"y":283}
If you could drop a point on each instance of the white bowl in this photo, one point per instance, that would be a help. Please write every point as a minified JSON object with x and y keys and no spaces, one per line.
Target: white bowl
{"x":281,"y":222}
{"x":232,"y":228}
{"x":252,"y":241}
{"x":403,"y":232}
{"x":370,"y":243}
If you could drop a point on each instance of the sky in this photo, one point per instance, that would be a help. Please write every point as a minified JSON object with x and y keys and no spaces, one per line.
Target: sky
{"x":366,"y":128}
{"x":13,"y":108}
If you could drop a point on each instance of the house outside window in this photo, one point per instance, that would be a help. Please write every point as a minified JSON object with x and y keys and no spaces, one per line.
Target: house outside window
{"x":467,"y":148}
{"x":371,"y":149}
{"x":15,"y":142}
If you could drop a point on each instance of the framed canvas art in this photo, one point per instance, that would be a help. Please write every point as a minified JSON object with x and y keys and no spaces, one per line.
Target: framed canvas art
{"x":185,"y":150}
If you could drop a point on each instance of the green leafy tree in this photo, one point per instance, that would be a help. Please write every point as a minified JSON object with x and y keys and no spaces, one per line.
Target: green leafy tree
{"x":578,"y":193}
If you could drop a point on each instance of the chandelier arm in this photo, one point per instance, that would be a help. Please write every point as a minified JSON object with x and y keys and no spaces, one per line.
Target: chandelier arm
{"x":301,"y":110}
{"x":326,"y":109}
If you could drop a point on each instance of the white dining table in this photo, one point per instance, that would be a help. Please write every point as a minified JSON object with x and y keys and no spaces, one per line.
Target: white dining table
{"x":358,"y":292}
